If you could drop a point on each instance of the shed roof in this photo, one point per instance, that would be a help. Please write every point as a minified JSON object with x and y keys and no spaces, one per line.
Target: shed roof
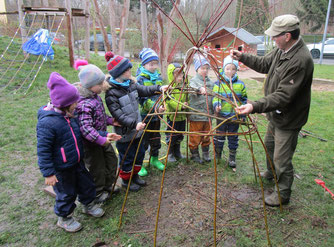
{"x":242,"y":34}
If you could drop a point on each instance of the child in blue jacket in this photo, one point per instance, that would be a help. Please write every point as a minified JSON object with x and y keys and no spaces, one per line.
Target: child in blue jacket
{"x":60,"y":153}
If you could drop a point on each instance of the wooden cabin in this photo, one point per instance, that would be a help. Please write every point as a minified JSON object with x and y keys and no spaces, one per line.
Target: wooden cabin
{"x":221,"y":41}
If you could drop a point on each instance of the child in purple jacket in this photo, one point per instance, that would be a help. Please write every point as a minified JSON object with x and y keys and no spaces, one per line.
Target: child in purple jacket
{"x":100,"y":157}
{"x":60,"y":151}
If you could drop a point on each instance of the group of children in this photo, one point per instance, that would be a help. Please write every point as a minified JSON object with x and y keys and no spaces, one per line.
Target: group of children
{"x":74,"y":148}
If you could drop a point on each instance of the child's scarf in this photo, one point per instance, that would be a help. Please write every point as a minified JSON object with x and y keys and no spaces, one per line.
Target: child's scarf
{"x":153,"y":76}
{"x":234,"y":78}
{"x":124,"y":84}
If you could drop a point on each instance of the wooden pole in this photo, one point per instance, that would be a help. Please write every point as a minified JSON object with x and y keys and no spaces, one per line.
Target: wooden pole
{"x":69,"y":32}
{"x":21,"y":17}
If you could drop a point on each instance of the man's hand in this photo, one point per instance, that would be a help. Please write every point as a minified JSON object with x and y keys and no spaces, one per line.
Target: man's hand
{"x":51,"y":180}
{"x":244,"y":109}
{"x":140,"y":126}
{"x":235,"y":54}
{"x":113,"y":137}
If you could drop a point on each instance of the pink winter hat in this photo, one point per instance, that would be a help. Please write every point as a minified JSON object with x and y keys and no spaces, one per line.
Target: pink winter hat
{"x":62,"y":93}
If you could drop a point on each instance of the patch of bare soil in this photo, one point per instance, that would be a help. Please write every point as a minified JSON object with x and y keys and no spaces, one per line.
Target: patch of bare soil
{"x":187,"y":209}
{"x":323,"y":85}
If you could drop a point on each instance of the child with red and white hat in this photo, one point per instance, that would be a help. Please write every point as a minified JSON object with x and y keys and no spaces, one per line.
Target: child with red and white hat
{"x":122,"y":100}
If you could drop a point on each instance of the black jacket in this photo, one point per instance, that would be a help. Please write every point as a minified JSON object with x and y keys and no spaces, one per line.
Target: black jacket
{"x":123,"y":106}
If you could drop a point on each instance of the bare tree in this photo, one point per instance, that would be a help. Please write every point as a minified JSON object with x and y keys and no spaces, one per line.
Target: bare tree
{"x":164,"y":41}
{"x":112,"y":21}
{"x":122,"y":26}
{"x":118,"y":45}
{"x":143,"y":18}
{"x":104,"y":33}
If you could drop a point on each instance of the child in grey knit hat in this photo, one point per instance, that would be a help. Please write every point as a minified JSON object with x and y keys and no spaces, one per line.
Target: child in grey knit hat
{"x":100,"y":157}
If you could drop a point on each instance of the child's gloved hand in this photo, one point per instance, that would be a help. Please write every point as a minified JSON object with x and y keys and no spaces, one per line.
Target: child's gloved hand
{"x":140,"y":126}
{"x":116,"y":123}
{"x":113,"y":137}
{"x":185,"y":106}
{"x":164,"y":88}
{"x":161,"y":109}
{"x":51,"y":180}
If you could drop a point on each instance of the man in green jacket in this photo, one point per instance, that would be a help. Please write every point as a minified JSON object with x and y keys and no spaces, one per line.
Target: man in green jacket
{"x":287,"y":89}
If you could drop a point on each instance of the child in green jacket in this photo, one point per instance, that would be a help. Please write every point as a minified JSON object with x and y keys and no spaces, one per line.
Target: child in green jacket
{"x":224,"y":108}
{"x":148,"y":75}
{"x":176,"y":102}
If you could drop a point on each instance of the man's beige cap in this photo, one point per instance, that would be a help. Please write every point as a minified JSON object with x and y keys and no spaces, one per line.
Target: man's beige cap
{"x":283,"y":23}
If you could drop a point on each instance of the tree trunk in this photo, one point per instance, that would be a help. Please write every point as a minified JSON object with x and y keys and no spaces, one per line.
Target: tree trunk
{"x":69,"y":31}
{"x":87,"y":43}
{"x":103,"y":31}
{"x":112,"y":20}
{"x":164,"y":41}
{"x":161,"y":38}
{"x":143,"y":19}
{"x":124,"y":23}
{"x":168,"y":37}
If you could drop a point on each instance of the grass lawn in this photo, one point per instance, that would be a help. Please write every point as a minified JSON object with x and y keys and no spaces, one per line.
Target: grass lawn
{"x":186,"y":216}
{"x":324,"y":71}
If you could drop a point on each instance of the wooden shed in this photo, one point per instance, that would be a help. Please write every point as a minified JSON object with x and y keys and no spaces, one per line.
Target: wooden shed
{"x":221,"y":41}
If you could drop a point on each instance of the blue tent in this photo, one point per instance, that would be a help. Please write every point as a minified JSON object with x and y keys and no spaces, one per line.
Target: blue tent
{"x":39,"y":44}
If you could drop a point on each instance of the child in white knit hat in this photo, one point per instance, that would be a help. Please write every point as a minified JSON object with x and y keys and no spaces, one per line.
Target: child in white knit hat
{"x":202,"y":102}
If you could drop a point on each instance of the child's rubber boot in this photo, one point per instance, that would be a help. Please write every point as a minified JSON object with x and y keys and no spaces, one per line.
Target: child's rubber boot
{"x":206,"y":154}
{"x":171,"y":158}
{"x":195,"y":156}
{"x":137,"y":180}
{"x":69,"y":224}
{"x":143,"y":172}
{"x":177,"y":151}
{"x":133,"y":186}
{"x":231,"y":159}
{"x":154,"y":161}
{"x":218,"y":152}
